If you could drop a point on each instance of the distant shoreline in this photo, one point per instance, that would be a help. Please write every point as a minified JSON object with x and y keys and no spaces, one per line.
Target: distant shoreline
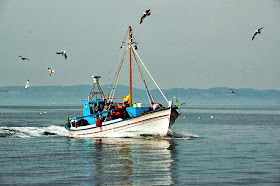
{"x":70,"y":95}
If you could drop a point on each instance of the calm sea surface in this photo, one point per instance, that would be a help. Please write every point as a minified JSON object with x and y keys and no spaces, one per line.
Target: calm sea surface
{"x":240,"y":146}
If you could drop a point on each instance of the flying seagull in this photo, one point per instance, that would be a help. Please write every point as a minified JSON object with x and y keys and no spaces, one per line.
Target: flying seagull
{"x":50,"y":71}
{"x":63,"y":54}
{"x":258,"y":31}
{"x":233,"y":92}
{"x":27,"y":84}
{"x":145,"y":14}
{"x":23,"y":58}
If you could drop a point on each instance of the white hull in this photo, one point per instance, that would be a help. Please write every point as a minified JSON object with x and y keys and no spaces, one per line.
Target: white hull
{"x":155,"y":123}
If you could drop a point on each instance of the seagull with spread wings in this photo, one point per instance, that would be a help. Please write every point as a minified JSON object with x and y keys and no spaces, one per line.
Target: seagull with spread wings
{"x":63,"y":54}
{"x":258,"y":31}
{"x":23,"y":58}
{"x":145,"y":14}
{"x":233,"y":92}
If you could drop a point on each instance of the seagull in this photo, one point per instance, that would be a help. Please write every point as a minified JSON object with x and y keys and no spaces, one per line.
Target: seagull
{"x":27,"y":84}
{"x":258,"y":31}
{"x":145,"y":14}
{"x":63,"y":54}
{"x":233,"y":92}
{"x":50,"y":71}
{"x":23,"y":58}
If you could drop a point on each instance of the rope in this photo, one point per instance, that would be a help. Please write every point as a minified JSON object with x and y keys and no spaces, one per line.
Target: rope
{"x":150,"y":75}
{"x":116,"y":77}
{"x":118,"y":59}
{"x":112,"y":80}
{"x":143,"y":79}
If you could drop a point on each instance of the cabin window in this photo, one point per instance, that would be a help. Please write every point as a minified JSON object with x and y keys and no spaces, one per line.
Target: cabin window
{"x":92,"y":108}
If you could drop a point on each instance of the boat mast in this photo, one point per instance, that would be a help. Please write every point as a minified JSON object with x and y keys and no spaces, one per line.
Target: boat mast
{"x":130,"y":67}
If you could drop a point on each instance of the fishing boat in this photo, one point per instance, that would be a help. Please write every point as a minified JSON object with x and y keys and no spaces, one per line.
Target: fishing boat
{"x":109,"y":116}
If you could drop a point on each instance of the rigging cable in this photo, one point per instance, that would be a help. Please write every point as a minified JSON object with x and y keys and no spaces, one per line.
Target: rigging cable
{"x":118,"y":59}
{"x":112,"y":80}
{"x":116,"y":77}
{"x":150,"y":75}
{"x":143,"y":79}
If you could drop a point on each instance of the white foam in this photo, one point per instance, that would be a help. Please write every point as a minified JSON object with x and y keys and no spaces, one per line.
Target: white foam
{"x":181,"y":134}
{"x":25,"y":132}
{"x":52,"y":130}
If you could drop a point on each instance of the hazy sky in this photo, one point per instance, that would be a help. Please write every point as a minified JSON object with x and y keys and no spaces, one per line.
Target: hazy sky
{"x":184,"y":43}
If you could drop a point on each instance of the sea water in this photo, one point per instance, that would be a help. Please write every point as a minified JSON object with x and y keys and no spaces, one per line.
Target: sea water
{"x":239,"y":146}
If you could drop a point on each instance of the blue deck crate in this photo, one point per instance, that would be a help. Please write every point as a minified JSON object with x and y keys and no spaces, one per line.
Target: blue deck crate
{"x":136,"y":111}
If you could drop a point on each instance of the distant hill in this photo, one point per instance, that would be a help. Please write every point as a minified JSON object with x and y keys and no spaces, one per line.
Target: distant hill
{"x":69,"y":95}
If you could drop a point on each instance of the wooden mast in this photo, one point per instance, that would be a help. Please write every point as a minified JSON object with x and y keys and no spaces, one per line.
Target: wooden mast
{"x":130,"y":68}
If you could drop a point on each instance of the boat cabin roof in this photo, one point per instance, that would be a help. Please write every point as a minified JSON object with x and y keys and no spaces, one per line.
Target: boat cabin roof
{"x":92,"y":101}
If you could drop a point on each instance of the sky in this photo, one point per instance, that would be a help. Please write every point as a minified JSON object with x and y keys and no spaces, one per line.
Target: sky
{"x":184,"y":43}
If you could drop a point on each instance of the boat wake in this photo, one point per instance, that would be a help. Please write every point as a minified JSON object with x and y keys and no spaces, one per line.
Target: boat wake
{"x":173,"y":134}
{"x":26,"y":132}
